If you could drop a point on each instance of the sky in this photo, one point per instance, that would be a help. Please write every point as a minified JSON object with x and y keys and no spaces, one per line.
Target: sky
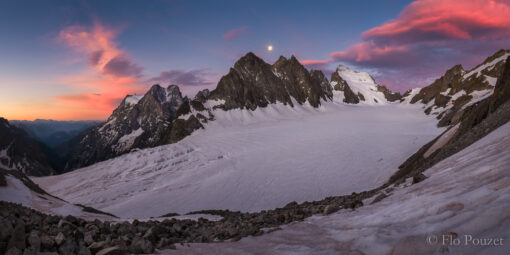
{"x":77,"y":60}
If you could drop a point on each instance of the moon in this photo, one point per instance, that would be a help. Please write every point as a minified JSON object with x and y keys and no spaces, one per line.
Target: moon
{"x":270,"y":48}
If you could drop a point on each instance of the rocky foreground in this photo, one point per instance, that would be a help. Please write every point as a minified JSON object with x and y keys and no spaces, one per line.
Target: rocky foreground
{"x":27,"y":231}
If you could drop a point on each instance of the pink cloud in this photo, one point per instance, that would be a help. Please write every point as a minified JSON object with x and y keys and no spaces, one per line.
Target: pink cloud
{"x":314,"y":62}
{"x":98,"y":44}
{"x":446,"y":19}
{"x":108,"y":77}
{"x":371,"y":52}
{"x":234,"y":33}
{"x":428,"y":37}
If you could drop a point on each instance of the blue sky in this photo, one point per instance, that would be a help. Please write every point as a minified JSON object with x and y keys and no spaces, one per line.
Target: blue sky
{"x":44,"y":66}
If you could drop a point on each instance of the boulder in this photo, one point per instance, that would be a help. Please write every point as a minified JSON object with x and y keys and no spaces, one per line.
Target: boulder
{"x":18,"y":236}
{"x":115,"y":250}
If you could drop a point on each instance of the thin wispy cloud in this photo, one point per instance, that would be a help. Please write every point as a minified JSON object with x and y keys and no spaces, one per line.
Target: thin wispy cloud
{"x":429,"y":36}
{"x":234,"y":33}
{"x":198,"y":77}
{"x":108,"y":76}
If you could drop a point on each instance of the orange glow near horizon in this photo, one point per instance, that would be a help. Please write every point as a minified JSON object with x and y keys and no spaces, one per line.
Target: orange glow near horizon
{"x":108,"y":76}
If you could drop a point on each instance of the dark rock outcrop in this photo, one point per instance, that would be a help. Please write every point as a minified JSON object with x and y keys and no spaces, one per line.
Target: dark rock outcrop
{"x":502,"y":90}
{"x":253,"y":83}
{"x":202,"y":95}
{"x":70,"y":235}
{"x":388,"y":94}
{"x":341,"y":85}
{"x":474,"y":122}
{"x":439,"y":94}
{"x":19,"y":151}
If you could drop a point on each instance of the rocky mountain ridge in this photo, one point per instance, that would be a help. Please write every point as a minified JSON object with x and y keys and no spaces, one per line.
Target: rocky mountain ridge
{"x":253,"y":83}
{"x":19,"y":151}
{"x":164,"y":116}
{"x":449,"y":96}
{"x":138,"y":122}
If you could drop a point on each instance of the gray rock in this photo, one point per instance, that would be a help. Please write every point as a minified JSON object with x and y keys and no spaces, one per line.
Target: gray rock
{"x":63,"y":223}
{"x":18,"y":236}
{"x":60,"y":238}
{"x":97,"y":246}
{"x":165,"y":243}
{"x":14,"y":251}
{"x":29,"y":251}
{"x":67,"y":248}
{"x":47,"y":241}
{"x":34,"y":240}
{"x":419,"y":178}
{"x":115,"y":250}
{"x":82,"y":250}
{"x":379,"y":198}
{"x":5,"y":229}
{"x":329,"y":209}
{"x":141,"y":245}
{"x":88,"y":238}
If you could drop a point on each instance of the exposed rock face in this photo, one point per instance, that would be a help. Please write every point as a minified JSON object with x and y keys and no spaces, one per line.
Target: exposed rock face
{"x":19,"y":151}
{"x":474,"y":122}
{"x":319,"y":78}
{"x":139,"y":122}
{"x":253,"y":83}
{"x":502,"y":89}
{"x":388,"y":94}
{"x":340,"y":84}
{"x":449,"y":96}
{"x":202,"y":95}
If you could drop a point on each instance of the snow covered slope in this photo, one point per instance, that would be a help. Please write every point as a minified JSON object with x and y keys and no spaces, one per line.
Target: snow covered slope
{"x":466,"y":197}
{"x":19,"y":189}
{"x":253,"y":160}
{"x":362,"y":84}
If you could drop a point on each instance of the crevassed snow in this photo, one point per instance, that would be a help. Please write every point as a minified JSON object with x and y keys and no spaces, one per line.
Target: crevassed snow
{"x":490,"y":64}
{"x":467,"y":194}
{"x":363,"y":83}
{"x":254,"y":160}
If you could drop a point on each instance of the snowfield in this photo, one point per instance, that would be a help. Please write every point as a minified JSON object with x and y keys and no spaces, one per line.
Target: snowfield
{"x":465,"y":198}
{"x":17,"y":192}
{"x":255,"y":160}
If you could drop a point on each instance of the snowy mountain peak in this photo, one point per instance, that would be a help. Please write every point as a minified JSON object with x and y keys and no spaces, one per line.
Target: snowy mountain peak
{"x":138,"y":122}
{"x":355,"y":77}
{"x":132,"y":99}
{"x":357,"y":87}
